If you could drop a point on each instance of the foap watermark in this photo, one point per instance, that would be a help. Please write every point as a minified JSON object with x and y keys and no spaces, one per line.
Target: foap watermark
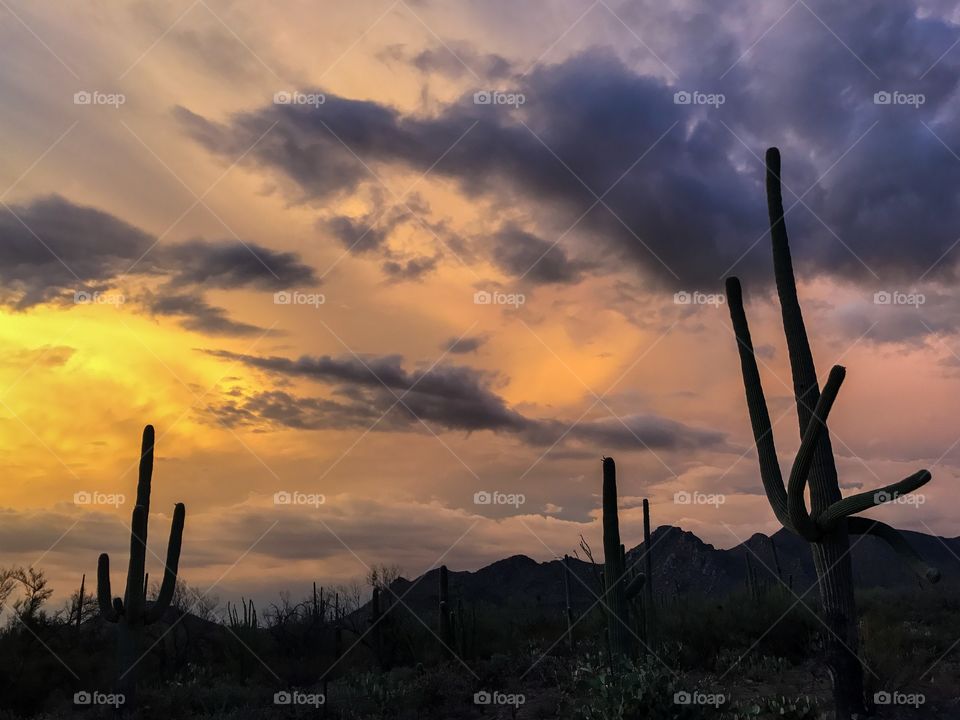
{"x":497,"y":97}
{"x":485,"y":697}
{"x":295,"y":697}
{"x":695,"y":97}
{"x":896,"y":297}
{"x":484,"y":297}
{"x":683,"y":697}
{"x":83,"y":497}
{"x":683,"y":497}
{"x":485,"y":497}
{"x":295,"y":97}
{"x":284,"y":497}
{"x":285,"y":297}
{"x":95,"y":97}
{"x":85,"y":297}
{"x":882,"y":497}
{"x":86,"y":698}
{"x":897,"y":97}
{"x":914,"y":700}
{"x":698,"y":298}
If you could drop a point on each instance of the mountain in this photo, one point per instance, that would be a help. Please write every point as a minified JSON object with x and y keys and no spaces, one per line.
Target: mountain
{"x":682,"y":564}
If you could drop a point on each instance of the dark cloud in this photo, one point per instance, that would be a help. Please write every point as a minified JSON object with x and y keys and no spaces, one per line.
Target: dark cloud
{"x":445,"y":397}
{"x":412,"y":269}
{"x":370,"y":234}
{"x":357,"y":235}
{"x":199,"y":315}
{"x":522,"y":254}
{"x":51,"y":248}
{"x":457,"y":397}
{"x":230,"y":264}
{"x":692,"y":208}
{"x":463,"y":345}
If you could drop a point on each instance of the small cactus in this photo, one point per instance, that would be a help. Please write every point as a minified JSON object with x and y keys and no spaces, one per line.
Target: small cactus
{"x":132,"y":612}
{"x":443,"y":609}
{"x":571,"y":645}
{"x":80,"y":599}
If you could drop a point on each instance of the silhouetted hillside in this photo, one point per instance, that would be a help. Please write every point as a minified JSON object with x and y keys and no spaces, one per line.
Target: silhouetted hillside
{"x":682,"y":564}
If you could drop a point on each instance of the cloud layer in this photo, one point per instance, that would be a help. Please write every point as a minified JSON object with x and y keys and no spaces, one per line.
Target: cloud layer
{"x":51,"y":249}
{"x":378,"y":392}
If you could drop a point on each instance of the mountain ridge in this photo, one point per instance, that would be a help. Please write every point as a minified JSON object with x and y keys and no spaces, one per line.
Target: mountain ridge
{"x":683,"y":564}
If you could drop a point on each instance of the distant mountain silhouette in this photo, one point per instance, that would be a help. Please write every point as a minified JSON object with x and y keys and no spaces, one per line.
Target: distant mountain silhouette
{"x":682,"y":564}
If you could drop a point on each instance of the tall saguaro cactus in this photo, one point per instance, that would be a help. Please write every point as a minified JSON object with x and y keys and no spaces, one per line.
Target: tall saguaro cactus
{"x":131,"y":613}
{"x":619,"y":588}
{"x":828,"y":523}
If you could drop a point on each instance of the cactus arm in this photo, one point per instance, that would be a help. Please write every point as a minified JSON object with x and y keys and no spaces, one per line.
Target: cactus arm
{"x":104,"y":598}
{"x":146,"y":469}
{"x":805,"y":385}
{"x":796,"y":488}
{"x":133,"y":599}
{"x":635,"y":585}
{"x":770,"y":473}
{"x":824,"y":488}
{"x":169,"y":584}
{"x":866,"y":500}
{"x":867,"y":526}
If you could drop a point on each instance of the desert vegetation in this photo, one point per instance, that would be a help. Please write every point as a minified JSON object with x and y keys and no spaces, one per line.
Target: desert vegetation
{"x":617,"y":637}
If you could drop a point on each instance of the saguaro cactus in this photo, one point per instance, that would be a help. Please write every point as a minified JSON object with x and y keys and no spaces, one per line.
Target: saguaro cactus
{"x":569,"y":607}
{"x":648,"y":608}
{"x":618,"y":587}
{"x":132,"y":613}
{"x":443,"y":609}
{"x":828,"y":522}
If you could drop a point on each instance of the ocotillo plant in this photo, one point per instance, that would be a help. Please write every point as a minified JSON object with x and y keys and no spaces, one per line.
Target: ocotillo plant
{"x":131,"y":613}
{"x":249,"y":619}
{"x":618,"y":588}
{"x":828,"y":522}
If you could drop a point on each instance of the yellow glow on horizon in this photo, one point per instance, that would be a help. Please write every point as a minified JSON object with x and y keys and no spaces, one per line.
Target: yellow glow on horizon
{"x":77,"y":386}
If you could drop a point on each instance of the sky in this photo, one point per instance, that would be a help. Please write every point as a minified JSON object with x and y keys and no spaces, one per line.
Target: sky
{"x":367,"y":265}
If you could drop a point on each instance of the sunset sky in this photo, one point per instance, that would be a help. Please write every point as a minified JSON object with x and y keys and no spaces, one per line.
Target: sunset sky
{"x":174,"y":171}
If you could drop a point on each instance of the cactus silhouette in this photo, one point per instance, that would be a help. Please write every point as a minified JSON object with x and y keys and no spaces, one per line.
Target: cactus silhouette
{"x":648,"y":609}
{"x":619,"y":587}
{"x":247,"y":621}
{"x":80,"y":598}
{"x":828,"y":522}
{"x":571,"y":645}
{"x":443,"y":609}
{"x":132,"y":613}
